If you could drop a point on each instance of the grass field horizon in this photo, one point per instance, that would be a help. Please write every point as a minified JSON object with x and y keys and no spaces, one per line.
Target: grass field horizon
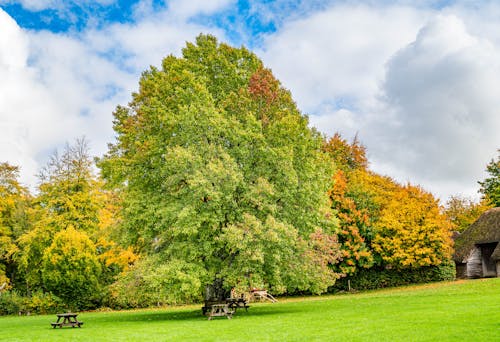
{"x":447,"y":311}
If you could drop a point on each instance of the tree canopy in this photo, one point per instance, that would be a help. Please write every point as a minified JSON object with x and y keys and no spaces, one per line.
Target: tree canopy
{"x":14,"y":202}
{"x":464,"y":211}
{"x":490,"y":187}
{"x":67,"y":249}
{"x":221,"y":175}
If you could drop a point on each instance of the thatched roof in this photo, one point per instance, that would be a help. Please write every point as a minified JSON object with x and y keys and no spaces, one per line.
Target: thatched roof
{"x":485,"y":230}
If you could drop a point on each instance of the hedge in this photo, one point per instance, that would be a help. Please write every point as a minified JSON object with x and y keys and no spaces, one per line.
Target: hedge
{"x":381,"y":277}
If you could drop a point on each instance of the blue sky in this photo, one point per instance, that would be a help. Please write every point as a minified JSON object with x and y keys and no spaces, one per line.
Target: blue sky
{"x":417,"y":82}
{"x":73,"y":16}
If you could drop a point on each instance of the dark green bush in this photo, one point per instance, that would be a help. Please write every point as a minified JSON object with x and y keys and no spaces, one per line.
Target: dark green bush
{"x":44,"y":303}
{"x":11,"y":303}
{"x":380,"y":277}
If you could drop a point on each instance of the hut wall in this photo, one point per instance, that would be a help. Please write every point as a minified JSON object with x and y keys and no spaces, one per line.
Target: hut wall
{"x":461,"y":270}
{"x":489,"y":265}
{"x":474,"y":264}
{"x":498,"y":268}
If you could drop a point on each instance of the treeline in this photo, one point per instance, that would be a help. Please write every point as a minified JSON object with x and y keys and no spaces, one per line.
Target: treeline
{"x":57,"y":247}
{"x":215,"y":176}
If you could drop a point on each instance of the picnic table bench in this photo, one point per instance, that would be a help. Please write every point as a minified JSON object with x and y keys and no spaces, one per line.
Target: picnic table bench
{"x":232,"y":303}
{"x":236,"y":303}
{"x":66,"y":320}
{"x":221,"y":302}
{"x":220,"y":310}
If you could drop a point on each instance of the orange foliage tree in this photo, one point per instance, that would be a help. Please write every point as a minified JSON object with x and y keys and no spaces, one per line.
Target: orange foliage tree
{"x":381,"y":221}
{"x":355,"y":252}
{"x":354,"y":223}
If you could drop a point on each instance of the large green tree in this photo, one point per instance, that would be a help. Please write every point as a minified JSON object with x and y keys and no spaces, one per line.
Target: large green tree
{"x":490,"y":187}
{"x":221,"y":175}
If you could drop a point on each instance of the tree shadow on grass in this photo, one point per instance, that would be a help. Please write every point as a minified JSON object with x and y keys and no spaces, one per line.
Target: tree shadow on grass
{"x":149,"y":316}
{"x":188,"y":315}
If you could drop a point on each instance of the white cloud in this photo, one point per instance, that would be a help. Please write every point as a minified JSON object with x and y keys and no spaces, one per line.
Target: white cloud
{"x":416,"y":85}
{"x":186,"y":9}
{"x":339,"y":53}
{"x":13,"y":40}
{"x":57,"y":87}
{"x":23,"y":101}
{"x":442,"y":91}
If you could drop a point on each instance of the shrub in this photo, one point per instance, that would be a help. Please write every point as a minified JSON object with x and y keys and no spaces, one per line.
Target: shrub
{"x":44,"y":303}
{"x":149,"y":283}
{"x":380,"y":277}
{"x":11,"y":303}
{"x":71,"y":269}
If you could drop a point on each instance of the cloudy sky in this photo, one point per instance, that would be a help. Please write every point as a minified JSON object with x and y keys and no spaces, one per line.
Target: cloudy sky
{"x":418,"y":84}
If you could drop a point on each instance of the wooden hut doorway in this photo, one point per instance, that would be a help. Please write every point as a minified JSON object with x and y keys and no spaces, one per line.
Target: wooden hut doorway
{"x":489,"y":265}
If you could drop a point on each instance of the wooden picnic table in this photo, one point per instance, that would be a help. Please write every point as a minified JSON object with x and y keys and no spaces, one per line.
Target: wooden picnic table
{"x":236,"y":303}
{"x":232,"y":303}
{"x":66,"y":320}
{"x":220,"y":310}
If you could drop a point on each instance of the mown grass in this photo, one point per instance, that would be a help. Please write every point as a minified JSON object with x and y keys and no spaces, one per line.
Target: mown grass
{"x":453,"y":311}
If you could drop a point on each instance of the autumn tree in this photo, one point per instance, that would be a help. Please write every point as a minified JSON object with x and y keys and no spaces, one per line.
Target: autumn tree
{"x":67,"y":197}
{"x":490,"y":187}
{"x":411,"y":231}
{"x":407,"y":226}
{"x":464,"y":211}
{"x":354,"y":223}
{"x":71,"y":204}
{"x":221,"y":175}
{"x":68,"y":190}
{"x":71,"y":269}
{"x":14,"y":200}
{"x":347,"y":156}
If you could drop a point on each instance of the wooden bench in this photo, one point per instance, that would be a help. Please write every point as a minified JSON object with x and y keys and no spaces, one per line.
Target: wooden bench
{"x":66,"y":320}
{"x":236,"y":303}
{"x":232,"y":303}
{"x":220,"y":310}
{"x":261,"y":294}
{"x":61,"y":324}
{"x":208,"y":305}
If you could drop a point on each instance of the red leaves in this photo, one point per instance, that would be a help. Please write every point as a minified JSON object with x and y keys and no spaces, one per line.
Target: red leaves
{"x":354,"y":250}
{"x":263,"y":86}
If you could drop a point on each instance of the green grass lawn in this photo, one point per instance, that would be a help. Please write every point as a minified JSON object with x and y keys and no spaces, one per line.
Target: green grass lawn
{"x":453,"y":311}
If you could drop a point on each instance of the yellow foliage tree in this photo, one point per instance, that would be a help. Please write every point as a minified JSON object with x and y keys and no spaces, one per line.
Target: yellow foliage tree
{"x":71,"y":197}
{"x":14,"y":200}
{"x":71,"y":268}
{"x":463,"y":211}
{"x":411,"y":231}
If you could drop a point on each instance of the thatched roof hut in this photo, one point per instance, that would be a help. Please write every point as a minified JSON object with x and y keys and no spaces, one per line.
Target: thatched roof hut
{"x":477,"y":249}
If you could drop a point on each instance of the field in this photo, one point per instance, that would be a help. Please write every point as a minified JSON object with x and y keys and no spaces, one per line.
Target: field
{"x":451,"y":311}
